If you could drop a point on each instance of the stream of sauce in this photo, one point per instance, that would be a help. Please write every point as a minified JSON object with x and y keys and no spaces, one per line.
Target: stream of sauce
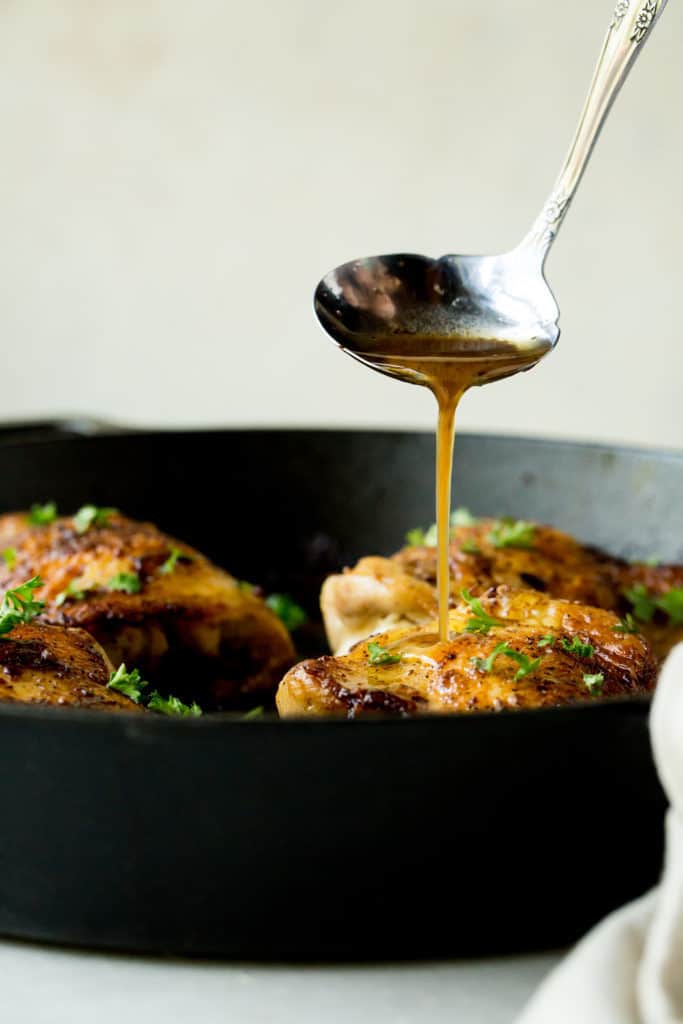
{"x":448,"y":378}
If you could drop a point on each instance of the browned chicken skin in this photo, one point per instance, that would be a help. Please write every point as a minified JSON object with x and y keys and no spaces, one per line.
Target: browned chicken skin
{"x":380,"y":593}
{"x":571,"y":652}
{"x":47,"y":665}
{"x":192,"y":630}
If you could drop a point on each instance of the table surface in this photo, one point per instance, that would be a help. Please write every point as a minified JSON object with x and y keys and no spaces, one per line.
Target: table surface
{"x":46,"y":985}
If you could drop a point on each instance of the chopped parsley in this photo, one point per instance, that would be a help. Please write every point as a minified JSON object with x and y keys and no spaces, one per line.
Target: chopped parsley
{"x":646,"y":604}
{"x":172,"y":706}
{"x":288,"y":611}
{"x":127,"y":582}
{"x":594,"y":683}
{"x":379,"y":655}
{"x":175,"y":556}
{"x":575,"y":646}
{"x":92,"y":515}
{"x":73,"y":591}
{"x":546,"y":641}
{"x":512,"y":533}
{"x":253,"y":713}
{"x":481,"y":622}
{"x":626,"y":625}
{"x":132,"y":685}
{"x":526,"y":664}
{"x":428,"y":538}
{"x":470,"y":547}
{"x":9,"y":557}
{"x":18,"y":605}
{"x":42,"y":515}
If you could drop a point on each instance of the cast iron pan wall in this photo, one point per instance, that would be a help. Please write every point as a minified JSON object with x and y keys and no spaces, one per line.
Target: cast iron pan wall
{"x":329,"y":839}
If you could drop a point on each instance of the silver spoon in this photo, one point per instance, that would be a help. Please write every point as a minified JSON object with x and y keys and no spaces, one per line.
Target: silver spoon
{"x":465,"y":306}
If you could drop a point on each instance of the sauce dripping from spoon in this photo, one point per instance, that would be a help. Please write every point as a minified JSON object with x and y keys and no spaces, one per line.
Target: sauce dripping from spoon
{"x":471,"y":363}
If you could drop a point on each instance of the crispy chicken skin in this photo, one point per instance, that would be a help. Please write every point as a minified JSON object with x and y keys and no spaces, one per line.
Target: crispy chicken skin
{"x":66,"y":667}
{"x":193,"y":631}
{"x":432,"y":676}
{"x":380,"y":593}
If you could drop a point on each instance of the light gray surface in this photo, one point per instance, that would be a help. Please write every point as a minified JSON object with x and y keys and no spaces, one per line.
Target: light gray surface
{"x":42,"y":985}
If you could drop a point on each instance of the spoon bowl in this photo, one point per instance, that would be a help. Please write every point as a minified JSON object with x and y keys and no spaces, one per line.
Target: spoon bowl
{"x":478,"y":307}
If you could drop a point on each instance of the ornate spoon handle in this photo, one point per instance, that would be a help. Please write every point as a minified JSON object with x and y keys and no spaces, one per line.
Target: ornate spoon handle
{"x":631,"y":25}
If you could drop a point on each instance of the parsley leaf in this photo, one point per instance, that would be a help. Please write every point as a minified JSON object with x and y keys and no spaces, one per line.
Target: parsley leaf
{"x":172,"y":706}
{"x":128,"y":582}
{"x":470,"y":547}
{"x":18,"y":605}
{"x":482,"y":622}
{"x":91,"y":515}
{"x":594,"y":683}
{"x":672,"y":604}
{"x":626,"y":625}
{"x":9,"y":556}
{"x":577,"y":647}
{"x":644,"y":606}
{"x":175,"y":556}
{"x":415,"y":538}
{"x":253,"y":713}
{"x":379,"y":655}
{"x":463,"y":517}
{"x":512,"y":533}
{"x":546,"y":641}
{"x":290,"y":613}
{"x":72,"y":591}
{"x":526,"y":664}
{"x":131,"y":684}
{"x":42,"y":515}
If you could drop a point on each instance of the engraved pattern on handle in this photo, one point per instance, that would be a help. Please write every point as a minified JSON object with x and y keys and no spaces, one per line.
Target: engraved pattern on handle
{"x":631,"y":24}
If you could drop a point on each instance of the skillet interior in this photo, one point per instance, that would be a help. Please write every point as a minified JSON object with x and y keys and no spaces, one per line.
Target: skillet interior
{"x":328,"y":839}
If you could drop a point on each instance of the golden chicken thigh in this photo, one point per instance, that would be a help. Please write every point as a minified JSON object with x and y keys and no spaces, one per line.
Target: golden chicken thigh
{"x":508,"y":649}
{"x":152,"y":602}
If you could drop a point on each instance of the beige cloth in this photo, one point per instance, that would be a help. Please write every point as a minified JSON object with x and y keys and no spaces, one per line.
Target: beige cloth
{"x":629,"y":970}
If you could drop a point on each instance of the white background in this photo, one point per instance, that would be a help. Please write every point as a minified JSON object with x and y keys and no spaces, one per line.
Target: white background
{"x":177,"y":176}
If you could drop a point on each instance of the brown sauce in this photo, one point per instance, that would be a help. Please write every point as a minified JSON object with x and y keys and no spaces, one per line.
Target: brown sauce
{"x":448,"y":378}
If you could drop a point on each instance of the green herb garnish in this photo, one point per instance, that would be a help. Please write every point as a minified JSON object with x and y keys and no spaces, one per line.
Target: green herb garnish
{"x":127,"y":582}
{"x":546,"y":641}
{"x":130,"y":684}
{"x":470,"y":547}
{"x":415,"y":538}
{"x":463,"y":517}
{"x":672,"y":604}
{"x":512,"y":533}
{"x":626,"y":625}
{"x":253,"y":713}
{"x":644,"y":606}
{"x":9,"y":557}
{"x":91,"y":515}
{"x":175,"y":556}
{"x":291,"y":614}
{"x":594,"y":683}
{"x":172,"y":706}
{"x":42,"y":515}
{"x":575,"y":646}
{"x":418,"y":537}
{"x":73,"y":592}
{"x":526,"y":664}
{"x":379,"y":655}
{"x":481,"y":622}
{"x":19,"y":607}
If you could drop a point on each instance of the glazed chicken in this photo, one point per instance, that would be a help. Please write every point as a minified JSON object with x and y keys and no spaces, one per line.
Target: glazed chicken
{"x":508,"y":649}
{"x":400,"y":592}
{"x":47,"y":665}
{"x":151,"y":602}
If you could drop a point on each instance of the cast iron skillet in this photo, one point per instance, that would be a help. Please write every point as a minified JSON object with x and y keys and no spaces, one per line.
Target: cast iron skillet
{"x":328,"y":839}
